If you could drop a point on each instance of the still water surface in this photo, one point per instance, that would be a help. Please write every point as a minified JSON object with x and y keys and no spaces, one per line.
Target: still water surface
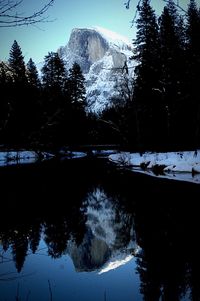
{"x":85,"y":230}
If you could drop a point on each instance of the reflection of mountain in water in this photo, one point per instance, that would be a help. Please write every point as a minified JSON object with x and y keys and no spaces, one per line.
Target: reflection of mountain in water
{"x":109,"y":236}
{"x":98,"y":235}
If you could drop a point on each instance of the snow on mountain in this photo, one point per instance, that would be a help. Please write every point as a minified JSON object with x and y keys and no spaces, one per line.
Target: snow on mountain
{"x":116,"y":262}
{"x":114,"y":38}
{"x":104,"y":57}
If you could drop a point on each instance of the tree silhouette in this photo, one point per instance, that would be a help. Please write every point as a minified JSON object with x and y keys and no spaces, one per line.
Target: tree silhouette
{"x":193,"y":66}
{"x":173,"y":70}
{"x":75,"y":104}
{"x":53,"y":72}
{"x":5,"y":103}
{"x":17,"y":64}
{"x":54,"y":77}
{"x":34,"y":109}
{"x":18,"y":96}
{"x":76,"y":86}
{"x":32,"y":74}
{"x":147,"y":73}
{"x":35,"y":236}
{"x":19,"y":248}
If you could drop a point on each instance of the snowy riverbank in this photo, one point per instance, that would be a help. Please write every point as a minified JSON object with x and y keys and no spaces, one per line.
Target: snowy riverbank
{"x":21,"y":157}
{"x":184,"y":166}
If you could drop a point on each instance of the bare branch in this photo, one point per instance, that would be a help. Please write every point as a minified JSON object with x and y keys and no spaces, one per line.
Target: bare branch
{"x":127,"y":4}
{"x":10,"y":15}
{"x":9,"y":6}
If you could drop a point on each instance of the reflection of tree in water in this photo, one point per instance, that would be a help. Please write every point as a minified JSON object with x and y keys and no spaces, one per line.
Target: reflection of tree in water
{"x":168,"y":265}
{"x":167,"y":230}
{"x":19,"y":250}
{"x":20,"y":238}
{"x":34,"y":236}
{"x":56,"y":234}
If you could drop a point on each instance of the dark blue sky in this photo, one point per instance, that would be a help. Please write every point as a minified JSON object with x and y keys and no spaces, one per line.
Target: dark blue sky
{"x":36,"y":41}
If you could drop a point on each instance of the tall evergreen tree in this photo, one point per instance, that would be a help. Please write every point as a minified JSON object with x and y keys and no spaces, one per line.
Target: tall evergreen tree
{"x":34,"y":108}
{"x":17,"y":64}
{"x":53,"y":80}
{"x":32,"y":74}
{"x":54,"y":77}
{"x":147,"y":73}
{"x":53,"y":72}
{"x":173,"y":66}
{"x":75,"y":86}
{"x":5,"y":88}
{"x":193,"y":66}
{"x":19,"y":97}
{"x":192,"y":31}
{"x":75,"y":104}
{"x":146,"y":53}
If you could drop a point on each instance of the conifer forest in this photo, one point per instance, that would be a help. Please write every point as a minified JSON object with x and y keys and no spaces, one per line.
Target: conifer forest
{"x":160,"y":110}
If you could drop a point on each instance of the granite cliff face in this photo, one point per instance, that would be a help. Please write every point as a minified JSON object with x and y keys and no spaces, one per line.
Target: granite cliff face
{"x":103,"y":56}
{"x":87,"y":46}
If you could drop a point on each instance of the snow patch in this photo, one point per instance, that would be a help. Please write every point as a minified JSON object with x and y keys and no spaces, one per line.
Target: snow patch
{"x":175,"y":165}
{"x":116,"y":263}
{"x":114,"y":38}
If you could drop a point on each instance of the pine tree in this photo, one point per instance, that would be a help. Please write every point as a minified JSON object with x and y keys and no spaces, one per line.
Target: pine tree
{"x":173,"y":66}
{"x":147,"y":73}
{"x":75,"y":124}
{"x":17,"y":64}
{"x":16,"y":127}
{"x":53,"y":80}
{"x":193,"y":47}
{"x":75,"y":86}
{"x":34,"y":103}
{"x":53,"y":72}
{"x":32,"y":74}
{"x":192,"y":31}
{"x":54,"y":77}
{"x":169,"y":47}
{"x":146,"y":53}
{"x":193,"y":67}
{"x":5,"y":88}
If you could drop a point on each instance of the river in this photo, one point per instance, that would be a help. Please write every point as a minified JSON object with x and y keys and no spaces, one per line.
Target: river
{"x":84,"y":229}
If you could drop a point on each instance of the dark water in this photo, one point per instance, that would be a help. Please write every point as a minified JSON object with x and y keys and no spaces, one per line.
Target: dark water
{"x":84,"y":230}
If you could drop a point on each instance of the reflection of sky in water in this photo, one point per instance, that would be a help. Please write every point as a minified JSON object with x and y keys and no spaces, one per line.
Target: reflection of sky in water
{"x":65,"y":281}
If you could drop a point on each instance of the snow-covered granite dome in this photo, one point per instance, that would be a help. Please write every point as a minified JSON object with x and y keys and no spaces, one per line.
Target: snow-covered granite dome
{"x":103,"y":56}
